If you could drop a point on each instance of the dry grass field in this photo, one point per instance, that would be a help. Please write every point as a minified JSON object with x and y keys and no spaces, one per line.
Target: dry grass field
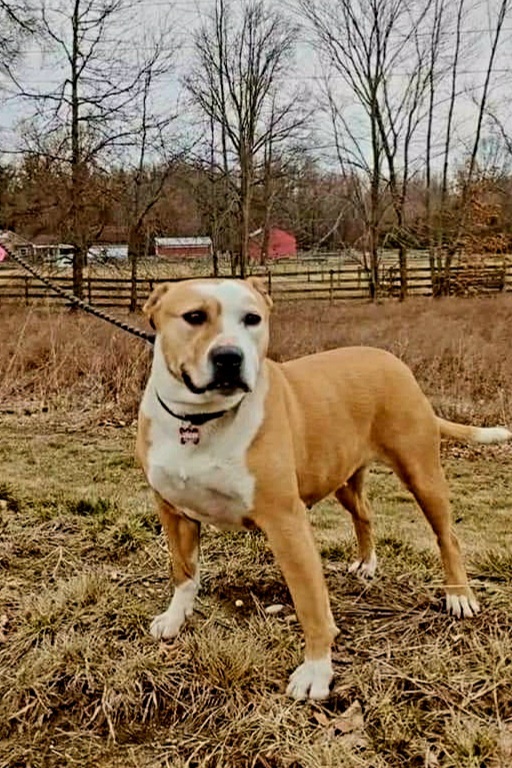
{"x":83,"y":568}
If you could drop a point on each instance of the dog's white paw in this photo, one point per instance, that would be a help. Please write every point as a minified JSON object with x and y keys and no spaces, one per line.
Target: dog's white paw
{"x":365,"y":568}
{"x":169,"y":623}
{"x":311,"y":679}
{"x":462,"y":606}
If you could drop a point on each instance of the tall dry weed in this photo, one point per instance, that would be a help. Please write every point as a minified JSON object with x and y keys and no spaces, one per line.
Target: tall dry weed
{"x":459,"y":349}
{"x":61,"y":359}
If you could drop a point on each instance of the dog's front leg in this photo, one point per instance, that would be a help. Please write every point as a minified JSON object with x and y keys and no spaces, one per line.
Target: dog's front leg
{"x":291,"y":540}
{"x":183,"y":541}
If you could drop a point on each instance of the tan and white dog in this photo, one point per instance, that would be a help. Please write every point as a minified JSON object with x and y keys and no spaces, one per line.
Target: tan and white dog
{"x":231,"y":438}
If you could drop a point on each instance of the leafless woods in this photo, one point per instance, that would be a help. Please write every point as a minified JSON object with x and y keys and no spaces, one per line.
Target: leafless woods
{"x":357,"y":126}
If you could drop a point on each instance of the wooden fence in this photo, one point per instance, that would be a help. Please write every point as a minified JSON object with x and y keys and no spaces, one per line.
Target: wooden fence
{"x":329,"y":284}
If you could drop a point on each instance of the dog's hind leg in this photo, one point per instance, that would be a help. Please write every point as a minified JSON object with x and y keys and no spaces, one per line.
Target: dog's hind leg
{"x":423,"y":475}
{"x":183,"y":541}
{"x":352,"y":496}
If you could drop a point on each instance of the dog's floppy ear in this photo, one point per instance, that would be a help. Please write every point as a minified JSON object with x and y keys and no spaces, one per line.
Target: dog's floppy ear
{"x":258,"y":285}
{"x":154,"y":301}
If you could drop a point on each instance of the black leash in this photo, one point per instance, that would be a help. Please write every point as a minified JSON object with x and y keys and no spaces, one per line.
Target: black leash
{"x":80,"y":302}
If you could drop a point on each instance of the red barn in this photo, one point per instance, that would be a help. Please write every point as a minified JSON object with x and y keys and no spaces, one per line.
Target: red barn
{"x":177,"y":247}
{"x":281,"y":244}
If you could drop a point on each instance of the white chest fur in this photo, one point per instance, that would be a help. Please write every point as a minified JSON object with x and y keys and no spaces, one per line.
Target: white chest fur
{"x":210,"y":480}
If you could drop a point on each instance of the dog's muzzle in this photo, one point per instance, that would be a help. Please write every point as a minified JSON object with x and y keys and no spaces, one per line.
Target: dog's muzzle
{"x":227,"y":362}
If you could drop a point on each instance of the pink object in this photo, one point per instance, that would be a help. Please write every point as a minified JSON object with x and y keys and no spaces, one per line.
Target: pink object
{"x":189,"y":434}
{"x":3,"y":254}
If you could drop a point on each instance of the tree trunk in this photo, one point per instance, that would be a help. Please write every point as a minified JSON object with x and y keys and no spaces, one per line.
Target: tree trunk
{"x":214,"y":219}
{"x":432,"y":265}
{"x":76,"y":170}
{"x":374,"y":231}
{"x":215,"y":261}
{"x":402,"y":262}
{"x":135,"y":246}
{"x":246,"y":190}
{"x":132,"y":256}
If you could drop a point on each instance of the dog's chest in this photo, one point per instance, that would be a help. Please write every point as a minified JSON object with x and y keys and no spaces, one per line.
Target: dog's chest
{"x":209,"y":480}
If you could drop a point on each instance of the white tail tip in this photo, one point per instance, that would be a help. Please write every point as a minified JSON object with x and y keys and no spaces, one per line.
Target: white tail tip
{"x":492,"y":435}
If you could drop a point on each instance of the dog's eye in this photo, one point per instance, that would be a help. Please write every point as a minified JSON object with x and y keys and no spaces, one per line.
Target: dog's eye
{"x":251,"y":318}
{"x":197,"y":317}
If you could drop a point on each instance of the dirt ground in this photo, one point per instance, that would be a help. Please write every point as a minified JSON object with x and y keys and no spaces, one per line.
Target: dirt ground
{"x":84,"y":568}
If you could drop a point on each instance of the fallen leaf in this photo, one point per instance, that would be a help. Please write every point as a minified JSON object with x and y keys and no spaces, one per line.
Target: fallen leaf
{"x":4,"y":620}
{"x":322,"y":719}
{"x":347,"y":728}
{"x":431,"y":760}
{"x":349,"y":721}
{"x":272,"y":609}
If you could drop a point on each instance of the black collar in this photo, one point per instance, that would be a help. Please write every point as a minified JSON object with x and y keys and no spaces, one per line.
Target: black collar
{"x":196,"y":419}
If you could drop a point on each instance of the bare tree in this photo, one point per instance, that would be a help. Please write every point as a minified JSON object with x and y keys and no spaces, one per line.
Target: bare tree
{"x":156,"y":148}
{"x":403,"y":110}
{"x":504,"y":8}
{"x":447,"y":215}
{"x":242,"y":59}
{"x":373,"y":45}
{"x":218,"y":199}
{"x":362,"y":172}
{"x":454,"y":74}
{"x":88,"y":116}
{"x":432,"y":78}
{"x":16,"y":25}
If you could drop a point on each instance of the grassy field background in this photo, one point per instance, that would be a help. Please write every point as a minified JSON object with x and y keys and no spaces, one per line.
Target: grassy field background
{"x":83,"y":568}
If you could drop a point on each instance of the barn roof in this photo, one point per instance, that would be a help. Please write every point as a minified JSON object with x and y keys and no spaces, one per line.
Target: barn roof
{"x":274,"y":231}
{"x":183,"y":242}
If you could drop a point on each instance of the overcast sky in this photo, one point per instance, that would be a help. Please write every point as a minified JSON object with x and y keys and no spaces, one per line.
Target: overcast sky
{"x":40,"y":70}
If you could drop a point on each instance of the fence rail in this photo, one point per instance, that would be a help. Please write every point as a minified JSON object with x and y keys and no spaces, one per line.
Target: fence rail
{"x":349,"y":283}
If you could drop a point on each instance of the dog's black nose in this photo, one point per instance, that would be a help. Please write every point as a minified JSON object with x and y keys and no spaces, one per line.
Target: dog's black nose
{"x":227,"y":359}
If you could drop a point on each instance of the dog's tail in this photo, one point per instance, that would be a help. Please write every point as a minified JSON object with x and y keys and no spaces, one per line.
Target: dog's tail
{"x":473,"y":434}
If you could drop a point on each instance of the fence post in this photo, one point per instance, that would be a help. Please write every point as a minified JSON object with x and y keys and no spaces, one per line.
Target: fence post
{"x":89,"y":292}
{"x":331,"y":285}
{"x":27,"y":282}
{"x":269,"y":282}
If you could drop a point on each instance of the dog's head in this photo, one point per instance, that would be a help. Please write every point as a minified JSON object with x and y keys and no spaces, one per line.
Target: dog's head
{"x":213,"y":334}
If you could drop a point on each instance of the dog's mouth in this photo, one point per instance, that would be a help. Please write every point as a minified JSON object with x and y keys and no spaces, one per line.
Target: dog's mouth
{"x":223,"y":381}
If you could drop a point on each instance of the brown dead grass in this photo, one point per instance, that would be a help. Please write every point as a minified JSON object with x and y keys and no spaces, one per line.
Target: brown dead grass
{"x":458,"y":349}
{"x":83,"y":568}
{"x":61,"y":359}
